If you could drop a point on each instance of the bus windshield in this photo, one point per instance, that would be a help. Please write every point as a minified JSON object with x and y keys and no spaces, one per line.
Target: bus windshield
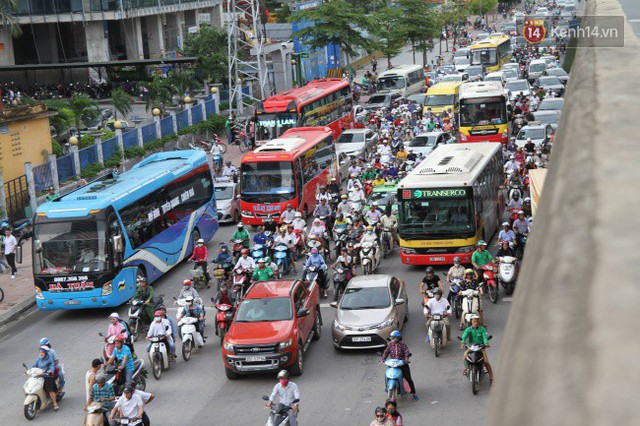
{"x":483,"y":111}
{"x":270,"y":126}
{"x":440,"y":100}
{"x":483,"y":57}
{"x":271,"y":182}
{"x":437,"y":217}
{"x":70,"y":246}
{"x":391,"y":83}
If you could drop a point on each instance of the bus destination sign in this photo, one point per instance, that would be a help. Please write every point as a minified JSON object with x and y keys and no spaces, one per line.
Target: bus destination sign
{"x":415,"y":194}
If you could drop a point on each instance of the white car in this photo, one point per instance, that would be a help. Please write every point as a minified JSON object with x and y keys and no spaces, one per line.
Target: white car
{"x":462,"y":63}
{"x":496,"y":76}
{"x":357,"y":142}
{"x":425,"y":143}
{"x":515,"y":87}
{"x":228,"y":201}
{"x":455,"y":77}
{"x":539,"y":134}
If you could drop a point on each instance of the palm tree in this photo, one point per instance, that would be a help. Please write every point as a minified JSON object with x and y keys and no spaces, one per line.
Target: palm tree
{"x":122,"y":102}
{"x":8,"y":19}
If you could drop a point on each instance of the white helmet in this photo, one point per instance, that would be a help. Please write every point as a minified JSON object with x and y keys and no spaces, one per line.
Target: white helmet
{"x":474,"y":316}
{"x":114,"y":315}
{"x":189,"y":299}
{"x":298,"y":214}
{"x":200,"y":241}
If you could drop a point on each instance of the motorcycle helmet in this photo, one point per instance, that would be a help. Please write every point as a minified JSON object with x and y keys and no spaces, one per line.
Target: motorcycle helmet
{"x":158,"y":314}
{"x":468,"y":271}
{"x":186,"y":282}
{"x":200,"y":241}
{"x":298,"y":215}
{"x":261,"y":260}
{"x":128,"y":389}
{"x":283,"y":374}
{"x":396,"y":334}
{"x":314,"y":251}
{"x":188,"y":299}
{"x":223,"y":247}
{"x":520,"y":212}
{"x":267,"y":259}
{"x":474,"y":316}
{"x":369,"y":228}
{"x":436,"y":291}
{"x":456,"y":259}
{"x":505,"y":223}
{"x":430,"y":270}
{"x":245,"y":251}
{"x":240,"y":225}
{"x":44,"y":341}
{"x":119,"y":338}
{"x":114,"y":315}
{"x":481,"y":243}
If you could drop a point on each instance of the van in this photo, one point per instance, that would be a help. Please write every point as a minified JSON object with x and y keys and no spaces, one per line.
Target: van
{"x":537,"y":68}
{"x":442,"y":96}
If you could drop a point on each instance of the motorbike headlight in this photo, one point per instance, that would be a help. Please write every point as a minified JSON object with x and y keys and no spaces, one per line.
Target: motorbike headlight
{"x":465,"y":249}
{"x":286,"y":344}
{"x":228,"y":347}
{"x":107,"y":289}
{"x":387,"y":323}
{"x":338,"y":326}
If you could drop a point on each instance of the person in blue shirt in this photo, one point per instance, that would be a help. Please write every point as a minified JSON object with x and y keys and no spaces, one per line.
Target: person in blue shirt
{"x":392,"y":172}
{"x":172,"y":322}
{"x":45,"y":342}
{"x":225,"y":260}
{"x":506,"y":234}
{"x":123,"y":358}
{"x":45,"y":362}
{"x":316,"y":259}
{"x":260,"y":238}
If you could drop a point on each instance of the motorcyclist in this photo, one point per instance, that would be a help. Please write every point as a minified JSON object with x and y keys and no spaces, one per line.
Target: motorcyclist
{"x":259,"y":237}
{"x":521,"y":225}
{"x":456,"y":271}
{"x":129,"y":406}
{"x":223,"y":258}
{"x":123,"y":359}
{"x":392,"y":412}
{"x":270,"y":264}
{"x":102,"y":392}
{"x":229,"y":169}
{"x":288,"y":215}
{"x":59,"y":367}
{"x":480,"y":258}
{"x":323,"y":195}
{"x":323,"y":209}
{"x":316,"y":259}
{"x":476,"y":333}
{"x":437,"y":305}
{"x":389,"y":220}
{"x":396,"y":349}
{"x":507,"y":234}
{"x":381,"y":418}
{"x":118,"y":327}
{"x":471,"y":283}
{"x":369,"y":173}
{"x":222,"y":297}
{"x":199,"y":256}
{"x":289,"y":239}
{"x":242,"y":234}
{"x":346,"y":261}
{"x":333,"y":188}
{"x":356,"y":195}
{"x":46,"y":363}
{"x":341,"y":222}
{"x":505,"y":250}
{"x":191,"y":309}
{"x":245,"y":262}
{"x":270,"y":224}
{"x":512,"y":165}
{"x":515,"y":202}
{"x":145,"y":293}
{"x":344,"y":206}
{"x":317,"y":228}
{"x":298,"y":222}
{"x":430,"y":281}
{"x":287,"y":392}
{"x":262,"y":272}
{"x":370,"y":237}
{"x":161,"y":327}
{"x":373,"y":215}
{"x":172,"y":322}
{"x":188,"y":290}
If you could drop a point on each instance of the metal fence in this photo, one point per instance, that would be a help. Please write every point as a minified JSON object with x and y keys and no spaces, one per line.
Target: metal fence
{"x":42,"y":176}
{"x":17,"y":193}
{"x":149,"y":133}
{"x":109,"y":148}
{"x":130,"y":139}
{"x":210,"y":107}
{"x":166,"y":126}
{"x":88,"y":156}
{"x":183,"y":119}
{"x":196,"y":114}
{"x":66,"y":167}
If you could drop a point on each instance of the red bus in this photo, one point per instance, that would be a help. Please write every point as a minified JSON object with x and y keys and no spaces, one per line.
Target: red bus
{"x":286,"y":170}
{"x":322,"y":102}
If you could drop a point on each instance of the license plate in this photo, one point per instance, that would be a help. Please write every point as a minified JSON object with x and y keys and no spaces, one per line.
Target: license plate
{"x":362,"y":339}
{"x":436,"y":259}
{"x":72,"y":302}
{"x":256,"y":358}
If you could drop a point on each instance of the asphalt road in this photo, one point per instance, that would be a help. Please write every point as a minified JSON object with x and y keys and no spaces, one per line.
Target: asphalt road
{"x":344,"y":387}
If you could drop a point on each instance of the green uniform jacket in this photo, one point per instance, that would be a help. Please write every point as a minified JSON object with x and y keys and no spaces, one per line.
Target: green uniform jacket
{"x":476,"y":335}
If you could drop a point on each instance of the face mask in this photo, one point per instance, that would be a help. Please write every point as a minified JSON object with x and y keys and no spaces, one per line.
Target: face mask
{"x":284,"y":382}
{"x":200,"y":245}
{"x":369,"y":232}
{"x":41,"y":355}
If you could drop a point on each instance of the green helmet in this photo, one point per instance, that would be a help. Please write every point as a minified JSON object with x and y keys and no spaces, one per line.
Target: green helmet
{"x":481,"y":243}
{"x":267,"y":259}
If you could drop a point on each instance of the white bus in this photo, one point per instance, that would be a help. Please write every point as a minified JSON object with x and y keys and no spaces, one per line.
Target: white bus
{"x":449,"y":202}
{"x":403,"y":79}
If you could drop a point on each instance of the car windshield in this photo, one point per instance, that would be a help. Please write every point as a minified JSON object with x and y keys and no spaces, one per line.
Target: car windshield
{"x":350,"y":137}
{"x":365,"y":298}
{"x":224,"y":192}
{"x":258,"y":310}
{"x":391,"y":83}
{"x":270,"y":126}
{"x":558,"y":72}
{"x":483,"y":56}
{"x":539,"y":67}
{"x":510,"y":73}
{"x":447,"y":213}
{"x":493,"y":78}
{"x":440,"y":100}
{"x":271,"y":182}
{"x":383,"y":198}
{"x":419,"y":99}
{"x":462,"y":61}
{"x":551,"y":104}
{"x":533,"y":133}
{"x":451,"y":77}
{"x":483,"y":111}
{"x":473,"y":71}
{"x":517,"y":86}
{"x":547,"y":118}
{"x":461,"y":53}
{"x":70,"y":246}
{"x":377,"y":99}
{"x":423,"y":141}
{"x":549,"y":81}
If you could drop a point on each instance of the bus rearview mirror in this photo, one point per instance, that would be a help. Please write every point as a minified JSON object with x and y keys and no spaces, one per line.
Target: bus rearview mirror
{"x":118,"y":247}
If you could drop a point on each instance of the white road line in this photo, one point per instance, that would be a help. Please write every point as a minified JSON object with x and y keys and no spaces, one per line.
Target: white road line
{"x":634,"y":21}
{"x":325,"y":305}
{"x":507,"y":299}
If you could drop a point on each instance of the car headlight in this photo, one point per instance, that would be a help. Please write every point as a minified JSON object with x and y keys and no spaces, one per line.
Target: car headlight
{"x":107,"y":289}
{"x":466,"y":249}
{"x":386,"y":323}
{"x":409,"y":250}
{"x":337,"y":325}
{"x":286,"y":344}
{"x":228,"y":347}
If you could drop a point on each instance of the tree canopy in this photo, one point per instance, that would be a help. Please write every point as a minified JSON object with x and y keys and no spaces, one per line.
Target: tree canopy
{"x":209,"y":46}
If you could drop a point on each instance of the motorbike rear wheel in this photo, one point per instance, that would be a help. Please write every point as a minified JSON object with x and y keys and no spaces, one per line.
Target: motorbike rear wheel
{"x":30,"y":410}
{"x":187,"y":346}
{"x":141,"y":383}
{"x":393,"y":393}
{"x":509,"y":288}
{"x":493,"y":293}
{"x":156,"y":366}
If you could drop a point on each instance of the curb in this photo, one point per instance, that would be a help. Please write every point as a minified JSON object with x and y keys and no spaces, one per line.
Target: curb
{"x":16,"y":310}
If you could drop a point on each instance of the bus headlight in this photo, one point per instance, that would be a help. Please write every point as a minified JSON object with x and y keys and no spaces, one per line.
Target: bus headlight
{"x":107,"y":289}
{"x":505,"y":136}
{"x":466,"y":249}
{"x":463,"y":137}
{"x":409,"y":251}
{"x":247,"y":213}
{"x":39,"y":294}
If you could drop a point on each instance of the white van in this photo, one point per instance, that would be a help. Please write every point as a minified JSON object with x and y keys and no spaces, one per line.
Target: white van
{"x":403,"y":79}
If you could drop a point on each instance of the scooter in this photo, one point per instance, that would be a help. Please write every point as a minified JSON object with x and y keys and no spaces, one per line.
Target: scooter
{"x":489,"y":274}
{"x":95,"y":414}
{"x":279,"y":415}
{"x":223,"y":320}
{"x":393,"y":378}
{"x":238,"y":245}
{"x":507,"y":273}
{"x":36,"y":399}
{"x":387,"y":242}
{"x":240,"y":277}
{"x":282,"y":258}
{"x":257,"y":252}
{"x":311,"y":277}
{"x":369,"y":257}
{"x":137,"y":316}
{"x":475,"y":361}
{"x":470,"y":304}
{"x":116,"y":379}
{"x":159,"y":356}
{"x":437,"y":334}
{"x":189,"y":335}
{"x":340,"y":237}
{"x":455,"y":297}
{"x":341,"y":278}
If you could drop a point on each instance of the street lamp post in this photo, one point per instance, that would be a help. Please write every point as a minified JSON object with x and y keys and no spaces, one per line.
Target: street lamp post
{"x":293,"y":73}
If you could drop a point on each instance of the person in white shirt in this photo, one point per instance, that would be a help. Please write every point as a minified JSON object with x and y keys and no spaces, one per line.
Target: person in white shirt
{"x":356,"y":196}
{"x":146,"y":398}
{"x":129,"y":406}
{"x":512,"y":165}
{"x":245,"y":262}
{"x":288,"y":215}
{"x":299,"y":223}
{"x":287,"y":393}
{"x":162,"y":327}
{"x":323,"y":195}
{"x":438,"y":305}
{"x":352,"y":182}
{"x":344,"y":206}
{"x":229,"y":169}
{"x":10,"y":246}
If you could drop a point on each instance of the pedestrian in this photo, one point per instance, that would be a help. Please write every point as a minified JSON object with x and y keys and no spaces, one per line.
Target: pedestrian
{"x":381,"y":418}
{"x":90,"y":377}
{"x":10,"y":247}
{"x":3,"y":263}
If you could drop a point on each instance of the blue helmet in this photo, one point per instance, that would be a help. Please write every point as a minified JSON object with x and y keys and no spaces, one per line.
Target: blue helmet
{"x":396,"y":334}
{"x":44,"y":341}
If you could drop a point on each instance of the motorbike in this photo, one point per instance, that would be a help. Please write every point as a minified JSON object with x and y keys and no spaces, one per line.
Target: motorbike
{"x":116,"y":378}
{"x":279,"y":415}
{"x":137,"y":316}
{"x":340,"y":237}
{"x":311,"y":275}
{"x":269,"y":243}
{"x":475,"y":361}
{"x":341,"y":278}
{"x":522,"y":242}
{"x":455,"y":298}
{"x":238,"y":245}
{"x":282,"y":259}
{"x":300,"y":238}
{"x":437,"y":334}
{"x":109,"y":344}
{"x":21,"y":229}
{"x":470,"y":304}
{"x":515,"y":187}
{"x":489,"y":274}
{"x":217,"y":161}
{"x":159,"y":356}
{"x":36,"y":399}
{"x":126,"y":420}
{"x":223,"y":319}
{"x":95,"y":414}
{"x":426,"y":296}
{"x":221,"y":274}
{"x":393,"y":378}
{"x":369,"y":258}
{"x":507,"y":273}
{"x":189,"y":335}
{"x":257,"y":252}
{"x":197,"y":277}
{"x":240,"y":280}
{"x":518,"y":123}
{"x":387,"y":242}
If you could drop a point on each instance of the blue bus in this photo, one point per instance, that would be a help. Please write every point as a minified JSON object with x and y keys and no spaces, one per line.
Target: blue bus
{"x":90,"y":245}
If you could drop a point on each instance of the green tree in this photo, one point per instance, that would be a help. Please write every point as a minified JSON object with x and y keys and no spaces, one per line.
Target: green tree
{"x":83,"y":107}
{"x":337,"y":22}
{"x":182,"y":81}
{"x":283,"y":13}
{"x":482,"y":7}
{"x":454,"y":13}
{"x":159,"y":92}
{"x":390,"y":31}
{"x":209,"y":47}
{"x":421,"y":26}
{"x":64,"y":118}
{"x":122,"y":102}
{"x":8,"y":19}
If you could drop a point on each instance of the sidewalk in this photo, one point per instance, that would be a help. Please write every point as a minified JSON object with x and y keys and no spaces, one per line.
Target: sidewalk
{"x":19,"y":292}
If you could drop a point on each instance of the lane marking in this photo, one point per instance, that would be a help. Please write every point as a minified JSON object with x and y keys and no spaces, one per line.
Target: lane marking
{"x":634,"y":21}
{"x":507,"y":299}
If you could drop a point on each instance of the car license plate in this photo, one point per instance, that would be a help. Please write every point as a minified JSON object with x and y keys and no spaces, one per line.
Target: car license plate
{"x":256,"y":358}
{"x":72,"y":302}
{"x":436,"y":259}
{"x":362,"y":339}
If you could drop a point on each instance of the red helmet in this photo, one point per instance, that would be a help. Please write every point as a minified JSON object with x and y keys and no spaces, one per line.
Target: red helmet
{"x":245,"y":251}
{"x":158,"y":313}
{"x":119,"y":338}
{"x":186,"y":282}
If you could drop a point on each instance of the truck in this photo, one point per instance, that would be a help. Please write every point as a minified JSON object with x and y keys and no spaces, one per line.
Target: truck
{"x":272,"y":328}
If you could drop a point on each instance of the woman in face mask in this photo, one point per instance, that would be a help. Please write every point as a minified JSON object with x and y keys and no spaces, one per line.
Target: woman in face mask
{"x":392,"y":412}
{"x":46,"y":363}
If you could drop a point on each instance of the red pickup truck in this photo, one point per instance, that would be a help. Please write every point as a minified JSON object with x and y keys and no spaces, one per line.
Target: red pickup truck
{"x":272,"y":328}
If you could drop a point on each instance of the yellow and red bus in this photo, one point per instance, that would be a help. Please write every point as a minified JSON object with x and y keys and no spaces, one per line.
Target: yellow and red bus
{"x":322,"y":102}
{"x":449,"y":202}
{"x":492,"y":52}
{"x":286,"y":170}
{"x":482,"y":116}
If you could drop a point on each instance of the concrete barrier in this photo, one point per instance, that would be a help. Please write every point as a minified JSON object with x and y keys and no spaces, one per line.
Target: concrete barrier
{"x":571,"y":348}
